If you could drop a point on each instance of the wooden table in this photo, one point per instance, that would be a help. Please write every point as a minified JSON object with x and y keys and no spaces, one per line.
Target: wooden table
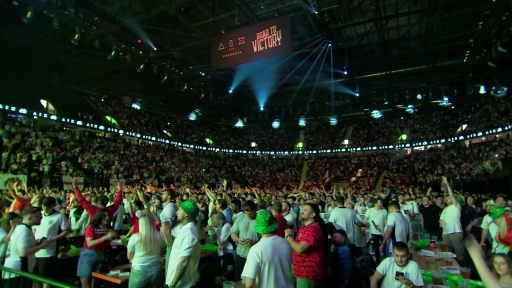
{"x":115,"y":280}
{"x":429,"y":260}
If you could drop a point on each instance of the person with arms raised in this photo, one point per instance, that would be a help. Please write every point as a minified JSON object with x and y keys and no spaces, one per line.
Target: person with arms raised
{"x":450,"y":221}
{"x":269,"y":261}
{"x":102,"y":201}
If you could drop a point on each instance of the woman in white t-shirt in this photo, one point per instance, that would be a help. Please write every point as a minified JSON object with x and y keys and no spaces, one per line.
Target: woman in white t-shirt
{"x":145,"y":250}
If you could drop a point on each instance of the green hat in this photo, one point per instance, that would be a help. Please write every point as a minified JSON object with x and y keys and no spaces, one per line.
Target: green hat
{"x":190,"y":208}
{"x":266,"y":223}
{"x":110,"y":197}
{"x":266,"y":198}
{"x":497,"y":211}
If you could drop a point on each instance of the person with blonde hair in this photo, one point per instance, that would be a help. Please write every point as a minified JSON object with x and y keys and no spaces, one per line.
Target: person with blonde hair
{"x":145,"y":250}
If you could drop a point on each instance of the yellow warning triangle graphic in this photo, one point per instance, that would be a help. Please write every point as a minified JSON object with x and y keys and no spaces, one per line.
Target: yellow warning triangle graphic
{"x":221,"y":47}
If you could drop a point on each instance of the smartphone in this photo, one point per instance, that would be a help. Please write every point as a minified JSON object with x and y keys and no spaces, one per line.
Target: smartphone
{"x":398,"y":275}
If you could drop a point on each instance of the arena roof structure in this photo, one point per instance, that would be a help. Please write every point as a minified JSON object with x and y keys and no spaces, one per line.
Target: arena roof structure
{"x":385,"y":53}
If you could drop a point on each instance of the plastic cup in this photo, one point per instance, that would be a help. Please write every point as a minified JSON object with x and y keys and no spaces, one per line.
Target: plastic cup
{"x":437,"y":278}
{"x":443,"y":246}
{"x":433,"y":237}
{"x":465,"y":272}
{"x":448,"y":260}
{"x":228,"y":284}
{"x":426,"y":236}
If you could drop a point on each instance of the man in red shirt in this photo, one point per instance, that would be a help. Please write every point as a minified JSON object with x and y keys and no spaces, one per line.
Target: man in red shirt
{"x":277,"y":209}
{"x":308,"y":249}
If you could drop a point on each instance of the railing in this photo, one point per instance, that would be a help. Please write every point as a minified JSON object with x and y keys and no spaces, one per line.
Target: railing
{"x":17,"y":279}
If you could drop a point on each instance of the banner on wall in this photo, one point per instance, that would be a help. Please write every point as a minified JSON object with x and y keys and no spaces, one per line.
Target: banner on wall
{"x":9,"y":179}
{"x":67,"y":182}
{"x":113,"y":183}
{"x":252,"y":43}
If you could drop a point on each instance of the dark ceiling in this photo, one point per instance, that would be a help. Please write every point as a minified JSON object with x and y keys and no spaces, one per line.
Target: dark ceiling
{"x":391,"y":49}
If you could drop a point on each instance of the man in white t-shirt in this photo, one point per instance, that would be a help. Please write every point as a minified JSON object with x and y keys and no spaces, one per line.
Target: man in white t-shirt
{"x":410,"y":210}
{"x":450,"y":221}
{"x":182,"y":268}
{"x":397,"y":228}
{"x":54,"y":226}
{"x":376,"y":219}
{"x":23,"y":242}
{"x":398,"y":271}
{"x":345,"y":217}
{"x":168,"y":216}
{"x":288,"y":215}
{"x":269,"y":261}
{"x":486,"y":221}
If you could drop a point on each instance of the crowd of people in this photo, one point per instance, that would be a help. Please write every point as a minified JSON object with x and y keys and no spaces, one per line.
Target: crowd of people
{"x":263,"y":213}
{"x":444,"y":122}
{"x":258,"y":234}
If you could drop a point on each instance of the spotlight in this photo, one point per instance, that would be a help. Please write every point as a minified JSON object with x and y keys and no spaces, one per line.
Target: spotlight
{"x":76,"y":39}
{"x":482,"y":90}
{"x":261,"y":108}
{"x":166,"y":77}
{"x":113,"y":53}
{"x":140,"y":68}
{"x":230,"y":90}
{"x":302,"y":122}
{"x":419,"y":96}
{"x":139,"y":41}
{"x":194,"y":114}
{"x":29,"y":16}
{"x":239,"y":123}
{"x":376,"y":114}
{"x":276,"y":124}
{"x":333,"y":121}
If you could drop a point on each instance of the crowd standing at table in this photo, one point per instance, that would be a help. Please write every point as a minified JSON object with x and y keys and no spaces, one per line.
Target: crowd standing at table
{"x":245,"y":219}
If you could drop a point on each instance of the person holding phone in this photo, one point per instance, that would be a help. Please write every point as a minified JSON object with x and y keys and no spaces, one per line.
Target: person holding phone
{"x":398,"y":271}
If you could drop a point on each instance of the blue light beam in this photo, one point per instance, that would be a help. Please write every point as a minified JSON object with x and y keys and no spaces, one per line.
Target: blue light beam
{"x":241,"y":73}
{"x":301,"y":63}
{"x":332,"y":85}
{"x":318,"y":77}
{"x":305,"y":76}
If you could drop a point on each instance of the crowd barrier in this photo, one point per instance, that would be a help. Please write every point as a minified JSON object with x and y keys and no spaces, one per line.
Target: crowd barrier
{"x":17,"y":279}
